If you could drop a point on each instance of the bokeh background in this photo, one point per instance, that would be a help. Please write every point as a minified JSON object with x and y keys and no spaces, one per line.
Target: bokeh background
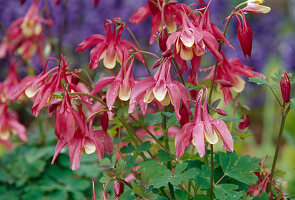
{"x":26,"y":170}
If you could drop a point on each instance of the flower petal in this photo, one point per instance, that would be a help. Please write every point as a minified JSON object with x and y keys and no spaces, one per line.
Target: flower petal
{"x":225,"y":134}
{"x":198,"y":138}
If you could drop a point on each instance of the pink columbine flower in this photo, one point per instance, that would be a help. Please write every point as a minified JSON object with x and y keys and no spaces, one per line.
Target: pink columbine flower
{"x":161,"y":88}
{"x":25,"y":35}
{"x":170,"y":12}
{"x":245,"y":35}
{"x":228,"y":76}
{"x":110,"y":48}
{"x":191,"y":41}
{"x":202,"y":127}
{"x":9,"y":124}
{"x":46,"y":84}
{"x":121,"y":85}
{"x":254,"y":6}
{"x":84,"y":139}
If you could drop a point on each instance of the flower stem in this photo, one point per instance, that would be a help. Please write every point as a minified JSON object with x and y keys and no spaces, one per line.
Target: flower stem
{"x":284,"y":115}
{"x":212,"y":172}
{"x":166,"y":139}
{"x":139,"y":47}
{"x":216,"y":64}
{"x":91,"y":96}
{"x":154,"y":137}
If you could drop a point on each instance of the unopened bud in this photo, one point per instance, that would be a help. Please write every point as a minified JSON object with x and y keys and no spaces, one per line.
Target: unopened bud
{"x":244,"y":124}
{"x":104,"y":121}
{"x":118,"y":188}
{"x":285,"y":87}
{"x":163,"y":36}
{"x":221,"y":111}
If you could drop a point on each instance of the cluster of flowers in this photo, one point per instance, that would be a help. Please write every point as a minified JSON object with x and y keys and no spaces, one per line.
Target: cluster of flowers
{"x":183,"y":35}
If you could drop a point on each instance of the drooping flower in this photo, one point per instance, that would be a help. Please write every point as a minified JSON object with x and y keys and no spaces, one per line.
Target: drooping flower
{"x":9,"y":124}
{"x":118,"y":189}
{"x":84,"y":139}
{"x":245,"y":35}
{"x":46,"y":84}
{"x":169,"y":10}
{"x":25,"y":35}
{"x":193,"y":39}
{"x":202,"y":127}
{"x":285,"y":87}
{"x":110,"y":48}
{"x":228,"y":76}
{"x":12,"y":80}
{"x":121,"y":85}
{"x":254,"y":6}
{"x":159,"y":87}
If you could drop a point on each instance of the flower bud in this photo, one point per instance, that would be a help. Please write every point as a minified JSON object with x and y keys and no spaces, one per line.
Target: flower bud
{"x":285,"y":87}
{"x":221,"y":112}
{"x":118,"y":188}
{"x":163,"y":36}
{"x":244,"y":124}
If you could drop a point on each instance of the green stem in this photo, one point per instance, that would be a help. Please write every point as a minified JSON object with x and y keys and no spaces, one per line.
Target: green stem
{"x":284,"y":115}
{"x":166,"y":139}
{"x":216,"y":64}
{"x":41,"y":130}
{"x":91,"y":96}
{"x":139,"y":47}
{"x":154,"y":137}
{"x":212,"y":172}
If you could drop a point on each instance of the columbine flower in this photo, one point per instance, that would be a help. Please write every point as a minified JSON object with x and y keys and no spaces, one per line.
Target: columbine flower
{"x":255,"y":7}
{"x":121,"y":85}
{"x":25,"y":35}
{"x":110,"y":48}
{"x":285,"y":87}
{"x":46,"y":84}
{"x":84,"y":139}
{"x":228,"y":76}
{"x":161,"y":88}
{"x":170,"y":11}
{"x":9,"y":124}
{"x":191,"y":41}
{"x":245,"y":35}
{"x":202,"y":127}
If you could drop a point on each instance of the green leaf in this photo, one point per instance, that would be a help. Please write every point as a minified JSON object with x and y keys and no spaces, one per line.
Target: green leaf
{"x":159,"y":176}
{"x":239,"y":169}
{"x":227,"y":192}
{"x":127,"y":149}
{"x":185,"y":176}
{"x":180,"y":168}
{"x":263,"y":196}
{"x":168,"y":114}
{"x":230,"y":119}
{"x":60,"y":195}
{"x":203,"y":179}
{"x":153,"y":118}
{"x":163,"y":156}
{"x":181,"y":194}
{"x":260,"y":81}
{"x":215,"y":104}
{"x":202,"y":197}
{"x":145,"y":146}
{"x":33,"y":193}
{"x":136,"y":189}
{"x":122,"y":111}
